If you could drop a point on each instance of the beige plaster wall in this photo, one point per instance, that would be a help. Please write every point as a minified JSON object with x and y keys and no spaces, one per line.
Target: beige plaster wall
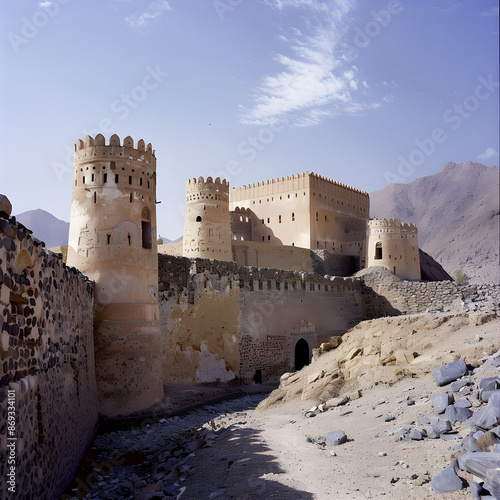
{"x":47,"y":367}
{"x":304,"y":210}
{"x":200,"y":314}
{"x":252,"y":253}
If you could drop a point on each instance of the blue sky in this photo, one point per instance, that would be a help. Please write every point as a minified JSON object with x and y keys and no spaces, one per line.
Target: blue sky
{"x":366,"y":92}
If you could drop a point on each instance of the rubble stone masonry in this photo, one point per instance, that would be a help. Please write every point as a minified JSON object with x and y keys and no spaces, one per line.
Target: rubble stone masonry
{"x":48,"y":392}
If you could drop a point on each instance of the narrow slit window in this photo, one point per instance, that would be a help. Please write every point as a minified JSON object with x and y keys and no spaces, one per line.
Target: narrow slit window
{"x":130,"y":179}
{"x":95,"y":197}
{"x":147,"y":240}
{"x":116,"y":178}
{"x":105,"y":178}
{"x":109,"y":239}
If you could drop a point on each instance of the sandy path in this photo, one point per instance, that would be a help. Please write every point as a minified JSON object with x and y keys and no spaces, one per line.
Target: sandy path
{"x":265,"y":453}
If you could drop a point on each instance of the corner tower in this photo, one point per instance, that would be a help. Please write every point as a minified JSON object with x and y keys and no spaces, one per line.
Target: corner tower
{"x":207,"y":228}
{"x":112,"y":240}
{"x":394,"y":245}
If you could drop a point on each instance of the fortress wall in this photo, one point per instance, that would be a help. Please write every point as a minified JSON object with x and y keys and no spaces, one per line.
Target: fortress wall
{"x":171,"y":248}
{"x":199,"y":316}
{"x":219,"y":320}
{"x":253,"y":253}
{"x":47,"y":372}
{"x":409,"y":297}
{"x":281,"y":307}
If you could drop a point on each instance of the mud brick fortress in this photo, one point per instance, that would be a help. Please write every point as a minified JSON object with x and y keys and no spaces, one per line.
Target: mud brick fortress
{"x":262,"y":277}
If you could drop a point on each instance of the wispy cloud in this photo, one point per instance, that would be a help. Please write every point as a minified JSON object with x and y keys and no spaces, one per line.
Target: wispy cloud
{"x":488,"y":154}
{"x":45,"y":3}
{"x":314,"y":83}
{"x":153,"y":11}
{"x":491,"y":12}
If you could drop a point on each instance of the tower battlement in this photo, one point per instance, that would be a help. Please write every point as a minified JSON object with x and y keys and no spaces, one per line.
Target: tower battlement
{"x":391,"y":223}
{"x":93,"y":148}
{"x":201,"y":185}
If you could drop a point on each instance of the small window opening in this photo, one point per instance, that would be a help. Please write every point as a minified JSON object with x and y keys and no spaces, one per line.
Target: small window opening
{"x":95,"y":197}
{"x":129,"y":240}
{"x":130,"y":179}
{"x":105,"y":177}
{"x":83,"y":181}
{"x":198,"y":219}
{"x":378,"y":251}
{"x":147,"y":241}
{"x":116,"y":178}
{"x":109,"y":239}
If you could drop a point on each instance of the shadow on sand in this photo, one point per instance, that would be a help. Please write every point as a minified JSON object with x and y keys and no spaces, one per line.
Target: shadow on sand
{"x":240,"y":466}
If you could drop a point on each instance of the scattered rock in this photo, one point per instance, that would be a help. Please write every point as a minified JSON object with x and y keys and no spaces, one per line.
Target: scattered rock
{"x":447,"y":480}
{"x":335,"y":438}
{"x":450,"y":372}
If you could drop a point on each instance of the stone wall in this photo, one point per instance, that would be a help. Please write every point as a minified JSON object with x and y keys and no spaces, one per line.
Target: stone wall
{"x":220,"y":321}
{"x":386,"y":294}
{"x":48,"y":390}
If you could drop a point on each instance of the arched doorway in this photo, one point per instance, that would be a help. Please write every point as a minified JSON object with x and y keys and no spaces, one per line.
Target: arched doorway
{"x":301,"y":354}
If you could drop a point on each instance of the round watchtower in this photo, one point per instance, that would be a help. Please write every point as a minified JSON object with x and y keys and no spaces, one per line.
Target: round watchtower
{"x":207,"y":229}
{"x":394,"y":245}
{"x":112,"y":240}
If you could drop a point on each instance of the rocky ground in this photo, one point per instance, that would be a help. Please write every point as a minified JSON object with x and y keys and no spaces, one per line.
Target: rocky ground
{"x":377,"y":387}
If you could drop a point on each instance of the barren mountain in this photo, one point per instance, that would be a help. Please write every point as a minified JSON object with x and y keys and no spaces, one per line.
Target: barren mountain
{"x":457,"y":215}
{"x":47,"y":228}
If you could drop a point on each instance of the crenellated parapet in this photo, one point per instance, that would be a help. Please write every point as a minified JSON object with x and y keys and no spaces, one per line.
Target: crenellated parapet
{"x":96,"y":148}
{"x":391,"y":225}
{"x":209,"y":189}
{"x":299,"y":177}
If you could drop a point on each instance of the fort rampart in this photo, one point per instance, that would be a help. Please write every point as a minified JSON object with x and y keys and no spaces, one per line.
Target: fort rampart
{"x":220,"y":321}
{"x":386,"y":294}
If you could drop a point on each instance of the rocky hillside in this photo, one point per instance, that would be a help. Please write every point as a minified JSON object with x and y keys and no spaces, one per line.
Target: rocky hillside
{"x":457,"y":214}
{"x":47,"y":228}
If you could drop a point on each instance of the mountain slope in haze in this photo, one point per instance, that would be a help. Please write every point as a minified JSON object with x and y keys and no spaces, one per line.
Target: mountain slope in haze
{"x":47,"y":228}
{"x":457,"y":215}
